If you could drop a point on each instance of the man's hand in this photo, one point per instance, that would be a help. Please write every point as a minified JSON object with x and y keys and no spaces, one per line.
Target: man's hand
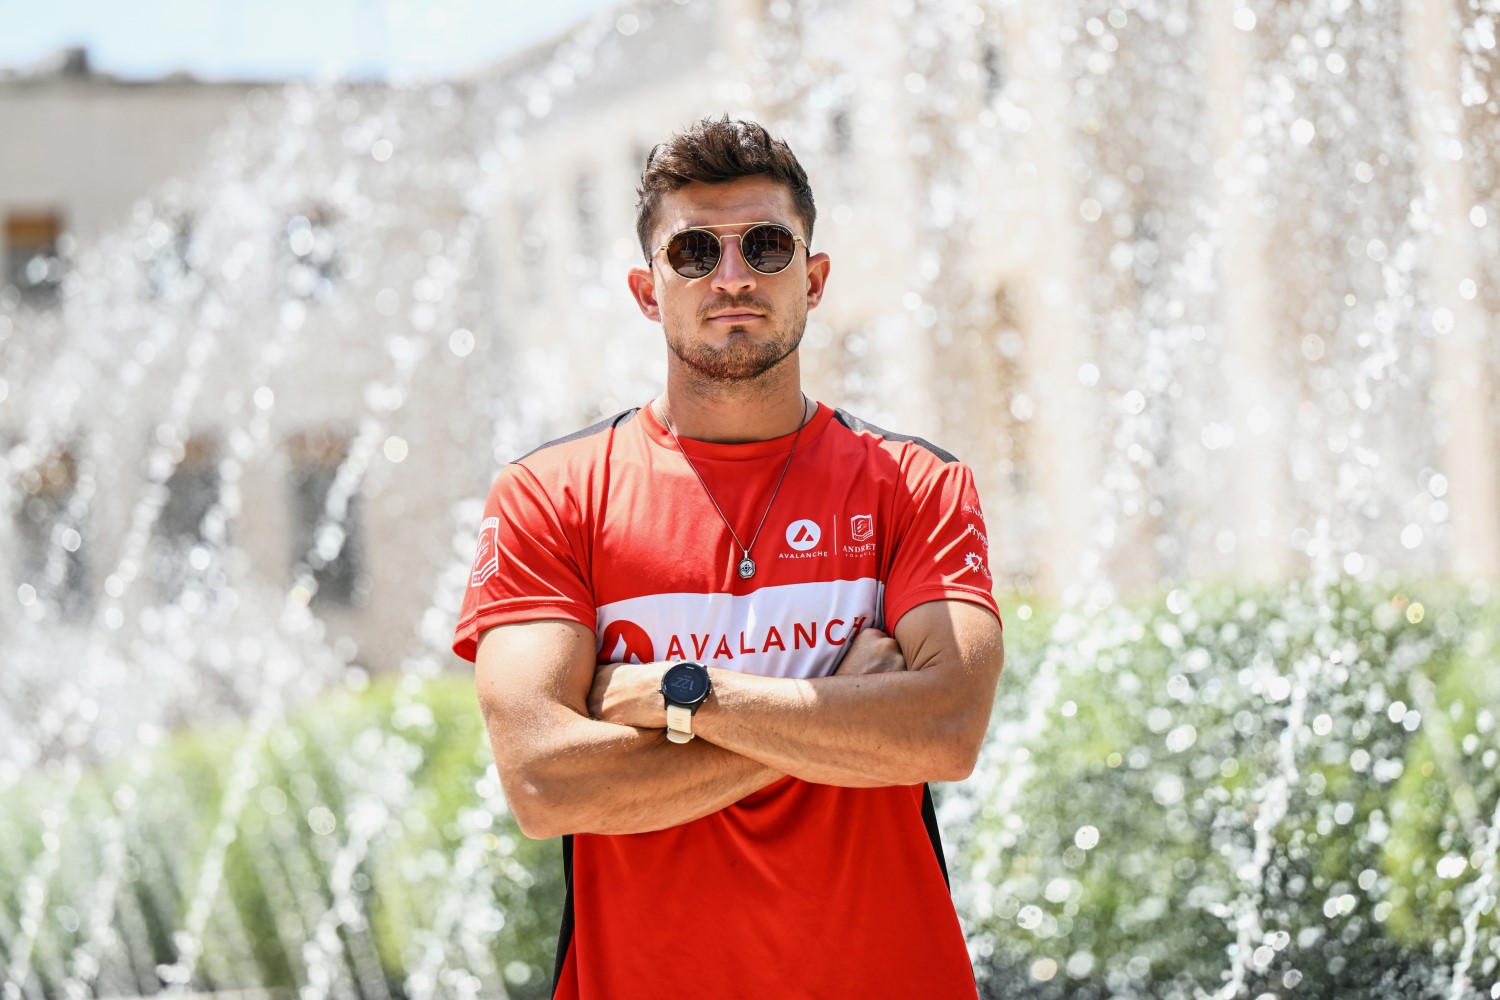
{"x":871,"y":652}
{"x":629,"y":694}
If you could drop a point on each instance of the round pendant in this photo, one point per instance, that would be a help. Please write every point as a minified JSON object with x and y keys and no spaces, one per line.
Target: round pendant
{"x":747,"y":568}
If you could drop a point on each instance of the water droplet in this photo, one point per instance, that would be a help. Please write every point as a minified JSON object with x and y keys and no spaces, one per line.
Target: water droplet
{"x":1244,"y":19}
{"x":1451,"y":866}
{"x":321,"y":820}
{"x":1043,"y":969}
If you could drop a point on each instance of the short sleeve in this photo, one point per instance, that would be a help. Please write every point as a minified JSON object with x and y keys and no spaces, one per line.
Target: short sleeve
{"x":942,"y":552}
{"x":526,"y":564}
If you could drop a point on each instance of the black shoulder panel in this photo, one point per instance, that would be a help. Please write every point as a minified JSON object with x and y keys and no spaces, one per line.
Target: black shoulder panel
{"x":618,"y":420}
{"x":860,"y":427}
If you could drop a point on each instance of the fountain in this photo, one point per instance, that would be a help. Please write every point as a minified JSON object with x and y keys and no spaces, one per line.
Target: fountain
{"x":1246,"y":744}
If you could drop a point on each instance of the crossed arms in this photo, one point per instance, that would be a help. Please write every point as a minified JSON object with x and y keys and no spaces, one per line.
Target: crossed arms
{"x":582,"y":749}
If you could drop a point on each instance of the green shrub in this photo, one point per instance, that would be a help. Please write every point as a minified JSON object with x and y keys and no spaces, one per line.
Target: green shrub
{"x":361,"y":841}
{"x":1252,"y":787}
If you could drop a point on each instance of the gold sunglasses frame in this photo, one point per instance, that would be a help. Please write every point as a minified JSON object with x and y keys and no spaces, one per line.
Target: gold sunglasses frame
{"x":735,"y":236}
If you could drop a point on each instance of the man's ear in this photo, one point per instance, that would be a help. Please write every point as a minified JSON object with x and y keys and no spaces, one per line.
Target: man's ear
{"x":817,"y":278}
{"x":643,"y":287}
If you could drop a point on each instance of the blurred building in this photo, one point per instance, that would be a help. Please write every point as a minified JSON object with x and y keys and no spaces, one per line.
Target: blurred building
{"x":214,"y":390}
{"x":1195,"y":294}
{"x":83,"y":148}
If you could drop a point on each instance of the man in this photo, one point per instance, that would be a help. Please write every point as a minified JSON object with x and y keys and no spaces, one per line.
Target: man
{"x":713,"y":715}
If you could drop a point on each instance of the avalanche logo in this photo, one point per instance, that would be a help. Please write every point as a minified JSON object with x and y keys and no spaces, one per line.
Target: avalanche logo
{"x":803,"y":535}
{"x":487,"y":559}
{"x":637,"y":643}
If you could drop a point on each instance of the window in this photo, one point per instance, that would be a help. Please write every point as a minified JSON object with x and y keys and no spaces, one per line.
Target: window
{"x":992,"y":58}
{"x":841,"y":132}
{"x":310,"y":252}
{"x":172,"y":271}
{"x":32,"y":264}
{"x":531,"y":248}
{"x":49,"y":529}
{"x":328,"y":539}
{"x":587,"y":201}
{"x":187,"y":551}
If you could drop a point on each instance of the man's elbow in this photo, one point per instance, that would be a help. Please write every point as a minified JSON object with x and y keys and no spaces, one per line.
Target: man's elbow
{"x":959,"y":749}
{"x":535,"y":812}
{"x":532,"y":794}
{"x":957,"y":758}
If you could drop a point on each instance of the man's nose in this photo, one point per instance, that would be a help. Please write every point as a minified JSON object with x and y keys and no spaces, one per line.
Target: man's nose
{"x":733,"y":272}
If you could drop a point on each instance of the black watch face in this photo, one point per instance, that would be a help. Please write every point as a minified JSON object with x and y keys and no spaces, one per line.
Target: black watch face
{"x":685,"y":684}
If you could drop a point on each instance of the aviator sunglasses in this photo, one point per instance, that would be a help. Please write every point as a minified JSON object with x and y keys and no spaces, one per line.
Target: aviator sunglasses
{"x":766,"y":246}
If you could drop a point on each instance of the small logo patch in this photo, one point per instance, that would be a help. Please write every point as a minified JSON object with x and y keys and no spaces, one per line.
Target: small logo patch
{"x":487,"y":559}
{"x":862,"y":527}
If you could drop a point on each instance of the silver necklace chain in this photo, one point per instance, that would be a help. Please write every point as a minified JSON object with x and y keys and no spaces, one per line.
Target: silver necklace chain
{"x":746,"y":566}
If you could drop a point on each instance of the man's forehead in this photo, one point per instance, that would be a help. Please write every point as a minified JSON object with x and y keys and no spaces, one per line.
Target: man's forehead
{"x":751,"y":199}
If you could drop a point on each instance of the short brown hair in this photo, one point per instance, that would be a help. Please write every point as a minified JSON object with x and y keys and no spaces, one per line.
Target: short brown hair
{"x":715,"y":151}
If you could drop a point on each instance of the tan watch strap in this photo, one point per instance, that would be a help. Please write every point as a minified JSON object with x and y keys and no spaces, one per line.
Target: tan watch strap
{"x":679,"y":723}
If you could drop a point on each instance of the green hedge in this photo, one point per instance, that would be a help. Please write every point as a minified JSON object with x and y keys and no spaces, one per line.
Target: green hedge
{"x":1294,"y":791}
{"x":1219,"y":780}
{"x":369,"y":847}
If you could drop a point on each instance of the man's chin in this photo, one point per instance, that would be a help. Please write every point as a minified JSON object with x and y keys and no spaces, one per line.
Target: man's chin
{"x":732,"y":365}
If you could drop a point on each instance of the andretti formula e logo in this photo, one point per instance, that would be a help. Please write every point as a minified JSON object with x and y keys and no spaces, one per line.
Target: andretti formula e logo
{"x":803,"y":535}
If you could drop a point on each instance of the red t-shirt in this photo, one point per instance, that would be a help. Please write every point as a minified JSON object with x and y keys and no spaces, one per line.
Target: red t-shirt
{"x":800,"y":889}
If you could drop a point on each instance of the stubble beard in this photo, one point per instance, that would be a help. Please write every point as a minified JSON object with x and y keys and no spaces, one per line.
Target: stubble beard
{"x":742,"y":361}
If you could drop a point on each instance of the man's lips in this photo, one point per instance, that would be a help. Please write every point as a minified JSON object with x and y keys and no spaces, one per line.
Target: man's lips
{"x":736,"y":316}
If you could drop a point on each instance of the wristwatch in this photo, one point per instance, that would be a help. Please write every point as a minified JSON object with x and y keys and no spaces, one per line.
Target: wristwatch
{"x":684,"y":687}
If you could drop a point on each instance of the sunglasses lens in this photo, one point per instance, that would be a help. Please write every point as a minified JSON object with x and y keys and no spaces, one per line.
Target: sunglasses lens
{"x":768,"y":248}
{"x":693,"y":253}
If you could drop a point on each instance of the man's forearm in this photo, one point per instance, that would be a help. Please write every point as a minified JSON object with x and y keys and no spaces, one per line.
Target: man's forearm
{"x":598,"y":777}
{"x":898,"y":710}
{"x":882,"y":729}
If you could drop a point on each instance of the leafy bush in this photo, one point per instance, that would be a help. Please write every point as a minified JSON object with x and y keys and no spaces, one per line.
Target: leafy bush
{"x":1290,"y":792}
{"x":360,"y":843}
